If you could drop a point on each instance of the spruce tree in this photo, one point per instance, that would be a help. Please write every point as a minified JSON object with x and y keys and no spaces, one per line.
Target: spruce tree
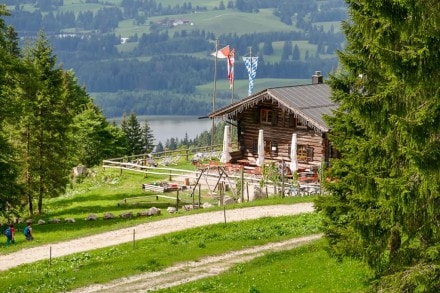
{"x":384,"y":202}
{"x":147,"y":138}
{"x":95,"y":138}
{"x":133,"y":132}
{"x":44,"y":125}
{"x":10,"y":68}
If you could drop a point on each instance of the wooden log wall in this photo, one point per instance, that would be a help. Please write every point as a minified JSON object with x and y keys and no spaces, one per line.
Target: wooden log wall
{"x":278,"y":135}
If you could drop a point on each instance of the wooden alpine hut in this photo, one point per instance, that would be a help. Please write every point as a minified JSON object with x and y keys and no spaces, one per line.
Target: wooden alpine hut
{"x":281,"y":112}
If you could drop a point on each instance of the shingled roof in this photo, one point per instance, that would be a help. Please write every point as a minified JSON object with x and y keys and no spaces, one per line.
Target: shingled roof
{"x":307,"y":102}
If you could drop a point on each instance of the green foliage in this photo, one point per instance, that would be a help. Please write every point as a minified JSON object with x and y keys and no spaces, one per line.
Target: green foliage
{"x":9,"y":71}
{"x":139,"y":137}
{"x":384,"y":190}
{"x":48,"y":105}
{"x":133,"y":133}
{"x":95,"y":138}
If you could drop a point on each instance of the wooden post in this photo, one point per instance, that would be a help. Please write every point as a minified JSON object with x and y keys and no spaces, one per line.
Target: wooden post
{"x":170,"y":179}
{"x":242,"y":184}
{"x":220,"y":188}
{"x":177,"y":200}
{"x":224,"y":213}
{"x":200,"y":194}
{"x":193,"y":199}
{"x":282,"y":178}
{"x":134,"y":238}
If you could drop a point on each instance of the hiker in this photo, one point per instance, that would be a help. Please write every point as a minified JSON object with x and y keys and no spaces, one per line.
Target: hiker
{"x":28,"y":232}
{"x":9,"y":233}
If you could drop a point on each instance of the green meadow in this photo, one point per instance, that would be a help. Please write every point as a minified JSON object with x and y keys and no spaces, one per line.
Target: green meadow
{"x":307,"y":268}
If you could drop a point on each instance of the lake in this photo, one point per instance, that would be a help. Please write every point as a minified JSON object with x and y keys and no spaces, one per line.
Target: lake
{"x":166,"y":127}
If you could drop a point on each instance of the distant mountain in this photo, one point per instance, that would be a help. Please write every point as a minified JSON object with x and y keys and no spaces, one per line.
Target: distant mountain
{"x":148,"y":57}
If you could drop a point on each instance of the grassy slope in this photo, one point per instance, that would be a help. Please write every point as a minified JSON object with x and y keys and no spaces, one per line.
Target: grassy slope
{"x":101,"y":193}
{"x":304,"y":269}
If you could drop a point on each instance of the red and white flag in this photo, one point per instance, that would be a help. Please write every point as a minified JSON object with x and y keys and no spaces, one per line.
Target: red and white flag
{"x":227,"y":53}
{"x":223,"y":53}
{"x":231,"y":61}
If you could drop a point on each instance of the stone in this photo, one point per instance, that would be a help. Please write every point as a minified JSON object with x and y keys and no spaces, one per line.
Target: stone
{"x":41,"y":222}
{"x":187,"y":207}
{"x":171,"y":210}
{"x":228,"y":200}
{"x":54,"y":221}
{"x":207,"y":205}
{"x":153,"y":211}
{"x":127,"y":215}
{"x":108,"y":216}
{"x":69,"y":220}
{"x":91,"y":217}
{"x":143,"y":214}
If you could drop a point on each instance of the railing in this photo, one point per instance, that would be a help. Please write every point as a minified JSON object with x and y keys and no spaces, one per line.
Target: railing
{"x":208,"y":152}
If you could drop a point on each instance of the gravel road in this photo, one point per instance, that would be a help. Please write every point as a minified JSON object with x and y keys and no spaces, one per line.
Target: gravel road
{"x":152,"y":229}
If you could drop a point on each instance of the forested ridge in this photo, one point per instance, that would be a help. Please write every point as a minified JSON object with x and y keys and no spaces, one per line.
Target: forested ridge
{"x":144,"y":48}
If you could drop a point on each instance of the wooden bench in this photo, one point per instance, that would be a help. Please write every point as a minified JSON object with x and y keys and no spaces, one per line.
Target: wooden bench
{"x":144,"y":199}
{"x":155,"y":188}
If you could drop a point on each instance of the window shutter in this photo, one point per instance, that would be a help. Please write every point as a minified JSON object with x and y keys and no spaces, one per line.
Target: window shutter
{"x":274,"y":118}
{"x":257,"y":115}
{"x":292,"y":121}
{"x":309,"y":154}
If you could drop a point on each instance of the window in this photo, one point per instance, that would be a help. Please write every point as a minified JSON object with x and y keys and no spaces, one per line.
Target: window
{"x":304,"y":153}
{"x":296,"y":122}
{"x":266,"y":116}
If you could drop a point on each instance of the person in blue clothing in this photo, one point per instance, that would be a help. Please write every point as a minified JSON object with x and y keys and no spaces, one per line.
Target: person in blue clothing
{"x":9,"y":233}
{"x":28,"y":232}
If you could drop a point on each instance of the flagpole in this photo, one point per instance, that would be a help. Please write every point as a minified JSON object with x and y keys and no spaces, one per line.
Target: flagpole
{"x":232,"y":90}
{"x":250,"y":55}
{"x":214,"y":93}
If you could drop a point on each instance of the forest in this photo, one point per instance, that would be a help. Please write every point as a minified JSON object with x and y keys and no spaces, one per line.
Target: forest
{"x":149,"y":50}
{"x":49,"y":124}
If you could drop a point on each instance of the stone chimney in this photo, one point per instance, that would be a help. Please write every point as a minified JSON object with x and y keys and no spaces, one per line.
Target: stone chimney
{"x":317,"y":78}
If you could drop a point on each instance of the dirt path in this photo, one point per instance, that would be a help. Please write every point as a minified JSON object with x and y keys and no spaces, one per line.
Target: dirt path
{"x":193,"y":270}
{"x":175,"y":275}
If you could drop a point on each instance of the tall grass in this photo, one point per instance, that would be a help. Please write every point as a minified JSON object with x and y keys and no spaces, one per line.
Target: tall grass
{"x":303,"y":269}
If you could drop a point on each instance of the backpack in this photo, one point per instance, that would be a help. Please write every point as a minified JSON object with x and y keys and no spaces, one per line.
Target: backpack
{"x":26,"y":231}
{"x":8,"y":232}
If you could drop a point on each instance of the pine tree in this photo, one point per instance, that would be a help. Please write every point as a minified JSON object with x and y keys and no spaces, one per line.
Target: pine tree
{"x":147,"y":138}
{"x":45,"y":124}
{"x":267,"y":47}
{"x":384,"y":194}
{"x":133,"y":132}
{"x":9,"y":72}
{"x":95,"y":138}
{"x":287,"y":51}
{"x":296,"y":53}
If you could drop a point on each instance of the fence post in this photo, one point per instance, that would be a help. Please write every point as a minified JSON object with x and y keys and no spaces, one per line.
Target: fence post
{"x":134,"y":238}
{"x":177,"y":200}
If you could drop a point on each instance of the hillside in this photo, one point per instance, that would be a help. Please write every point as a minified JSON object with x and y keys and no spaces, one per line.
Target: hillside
{"x":146,"y":56}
